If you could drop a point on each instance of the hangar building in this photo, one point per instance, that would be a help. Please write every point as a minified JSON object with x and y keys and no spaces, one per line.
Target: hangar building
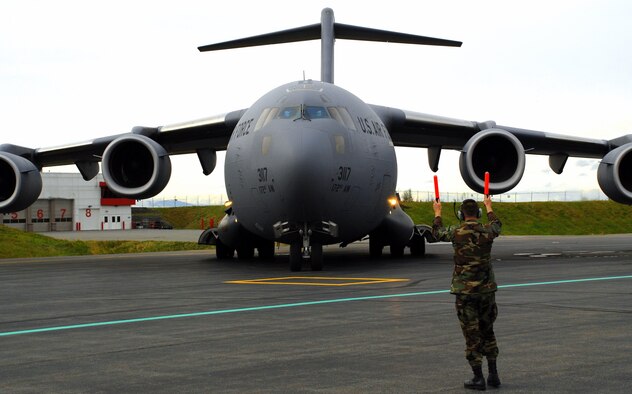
{"x":68,"y":203}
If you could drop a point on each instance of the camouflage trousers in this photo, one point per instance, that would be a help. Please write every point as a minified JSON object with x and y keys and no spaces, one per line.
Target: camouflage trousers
{"x":477,"y":313}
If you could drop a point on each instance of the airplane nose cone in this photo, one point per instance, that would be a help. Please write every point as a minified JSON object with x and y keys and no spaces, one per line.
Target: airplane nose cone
{"x":305,"y":158}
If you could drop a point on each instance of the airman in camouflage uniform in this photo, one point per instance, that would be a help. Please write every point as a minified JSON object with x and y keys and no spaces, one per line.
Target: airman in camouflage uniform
{"x":474,"y":285}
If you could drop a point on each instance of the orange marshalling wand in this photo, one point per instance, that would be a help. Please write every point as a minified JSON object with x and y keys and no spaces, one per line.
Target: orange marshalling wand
{"x":486,"y":183}
{"x":436,"y":183}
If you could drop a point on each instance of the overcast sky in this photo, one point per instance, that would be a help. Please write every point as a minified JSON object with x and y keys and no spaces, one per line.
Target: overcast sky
{"x":75,"y":70}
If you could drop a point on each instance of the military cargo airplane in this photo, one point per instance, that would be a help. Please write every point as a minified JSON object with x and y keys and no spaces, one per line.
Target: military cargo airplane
{"x":310,"y":164}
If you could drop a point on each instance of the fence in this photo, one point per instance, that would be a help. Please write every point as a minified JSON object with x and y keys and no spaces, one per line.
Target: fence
{"x":583,"y":195}
{"x":409,"y":195}
{"x":181,"y":201}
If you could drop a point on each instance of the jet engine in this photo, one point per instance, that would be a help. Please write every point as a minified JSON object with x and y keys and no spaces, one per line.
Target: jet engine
{"x":20,"y":183}
{"x":615,"y":174}
{"x":496,"y":151}
{"x":135,"y":166}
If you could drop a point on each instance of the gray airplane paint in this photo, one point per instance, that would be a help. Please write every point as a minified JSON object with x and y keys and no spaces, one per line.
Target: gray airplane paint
{"x":302,"y":168}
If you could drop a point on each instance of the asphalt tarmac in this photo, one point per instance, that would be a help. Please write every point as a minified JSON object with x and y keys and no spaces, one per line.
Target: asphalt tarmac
{"x":185,"y":322}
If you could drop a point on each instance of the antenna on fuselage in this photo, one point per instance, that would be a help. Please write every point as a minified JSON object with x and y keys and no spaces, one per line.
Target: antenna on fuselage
{"x":327,"y":31}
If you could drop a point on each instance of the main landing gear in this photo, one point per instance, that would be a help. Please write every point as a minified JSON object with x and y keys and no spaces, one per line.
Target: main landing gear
{"x":417,"y":245}
{"x":265,"y":251}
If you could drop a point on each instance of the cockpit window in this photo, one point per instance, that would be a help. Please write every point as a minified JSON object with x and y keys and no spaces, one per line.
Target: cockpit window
{"x":307,"y":112}
{"x":342,"y":116}
{"x":316,"y":112}
{"x":289,"y":113}
{"x":266,"y":116}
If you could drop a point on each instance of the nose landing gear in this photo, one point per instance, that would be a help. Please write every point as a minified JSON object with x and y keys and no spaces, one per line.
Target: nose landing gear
{"x":306,"y":250}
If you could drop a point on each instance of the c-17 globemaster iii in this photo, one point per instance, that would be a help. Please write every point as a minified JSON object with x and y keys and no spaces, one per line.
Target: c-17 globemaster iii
{"x":309,"y":163}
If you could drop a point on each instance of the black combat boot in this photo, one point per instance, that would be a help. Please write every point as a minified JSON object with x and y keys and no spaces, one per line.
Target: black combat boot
{"x":478,"y":381}
{"x":492,"y":379}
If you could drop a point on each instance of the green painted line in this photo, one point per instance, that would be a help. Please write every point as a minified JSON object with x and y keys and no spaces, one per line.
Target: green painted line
{"x":556,"y":282}
{"x":281,"y":306}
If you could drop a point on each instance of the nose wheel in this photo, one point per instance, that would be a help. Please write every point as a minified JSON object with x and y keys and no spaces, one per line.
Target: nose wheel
{"x":317,"y":257}
{"x":296,"y":257}
{"x":314,"y":256}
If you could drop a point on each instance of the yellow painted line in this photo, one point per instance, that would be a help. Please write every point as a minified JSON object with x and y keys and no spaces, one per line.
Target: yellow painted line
{"x":315,"y":281}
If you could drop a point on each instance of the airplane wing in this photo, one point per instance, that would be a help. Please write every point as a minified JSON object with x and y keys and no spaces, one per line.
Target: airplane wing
{"x":186,"y":137}
{"x":129,"y":154}
{"x":414,"y":129}
{"x":500,"y":150}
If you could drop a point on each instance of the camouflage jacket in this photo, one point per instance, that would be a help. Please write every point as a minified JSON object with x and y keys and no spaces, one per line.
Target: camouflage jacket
{"x":472,"y":242}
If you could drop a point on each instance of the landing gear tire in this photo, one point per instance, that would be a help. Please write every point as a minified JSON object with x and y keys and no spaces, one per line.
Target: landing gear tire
{"x":375,"y":249}
{"x":317,"y":257}
{"x":266,"y":251}
{"x":397,"y":251}
{"x":296,"y":257}
{"x":245,"y":253}
{"x":223,"y":252}
{"x":418,"y":248}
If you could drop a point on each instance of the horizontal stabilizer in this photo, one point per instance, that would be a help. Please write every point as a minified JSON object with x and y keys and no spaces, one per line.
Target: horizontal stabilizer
{"x":351,"y":32}
{"x":305,"y":33}
{"x":342,"y":31}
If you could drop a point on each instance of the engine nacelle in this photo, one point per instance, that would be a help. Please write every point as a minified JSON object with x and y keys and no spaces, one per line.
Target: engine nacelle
{"x":135,"y":166}
{"x":20,"y":183}
{"x":497,"y":151}
{"x":615,"y":174}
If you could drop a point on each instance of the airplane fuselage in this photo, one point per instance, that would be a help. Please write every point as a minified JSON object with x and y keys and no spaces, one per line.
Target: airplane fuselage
{"x":310,"y":155}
